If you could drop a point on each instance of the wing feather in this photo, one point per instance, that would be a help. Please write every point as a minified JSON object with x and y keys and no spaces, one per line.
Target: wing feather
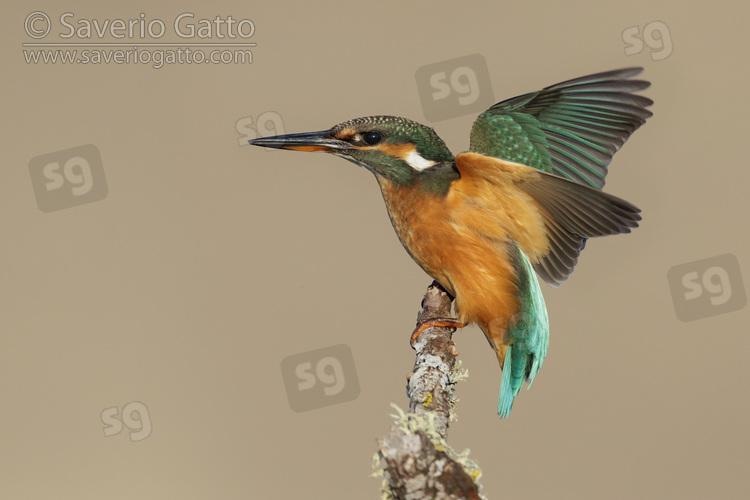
{"x":571,"y":129}
{"x":566,"y":212}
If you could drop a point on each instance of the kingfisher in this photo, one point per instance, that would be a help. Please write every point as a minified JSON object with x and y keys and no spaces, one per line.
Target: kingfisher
{"x":521,"y":202}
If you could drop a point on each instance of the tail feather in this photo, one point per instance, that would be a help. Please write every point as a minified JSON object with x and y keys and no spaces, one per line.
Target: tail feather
{"x":507,"y":390}
{"x":528,"y":334}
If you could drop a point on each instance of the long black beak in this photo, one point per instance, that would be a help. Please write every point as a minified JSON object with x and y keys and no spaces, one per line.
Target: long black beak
{"x":308,"y":141}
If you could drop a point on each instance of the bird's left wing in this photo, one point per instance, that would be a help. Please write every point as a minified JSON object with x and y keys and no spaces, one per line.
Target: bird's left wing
{"x":571,"y":129}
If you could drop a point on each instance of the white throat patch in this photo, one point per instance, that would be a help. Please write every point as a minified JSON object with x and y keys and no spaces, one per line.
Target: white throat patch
{"x":415,"y":161}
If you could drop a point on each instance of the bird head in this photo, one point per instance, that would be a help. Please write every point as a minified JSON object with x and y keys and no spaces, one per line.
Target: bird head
{"x":388,"y":146}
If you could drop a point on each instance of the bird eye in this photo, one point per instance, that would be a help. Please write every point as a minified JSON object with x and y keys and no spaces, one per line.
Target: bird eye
{"x":372,"y":138}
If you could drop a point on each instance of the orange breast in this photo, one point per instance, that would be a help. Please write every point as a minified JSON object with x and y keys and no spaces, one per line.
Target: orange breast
{"x":450,"y":238}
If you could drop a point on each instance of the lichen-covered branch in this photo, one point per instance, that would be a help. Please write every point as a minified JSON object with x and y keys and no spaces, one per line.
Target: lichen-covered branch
{"x":417,"y":461}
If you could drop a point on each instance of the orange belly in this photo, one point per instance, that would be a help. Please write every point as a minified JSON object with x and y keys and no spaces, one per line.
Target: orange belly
{"x":475,"y":268}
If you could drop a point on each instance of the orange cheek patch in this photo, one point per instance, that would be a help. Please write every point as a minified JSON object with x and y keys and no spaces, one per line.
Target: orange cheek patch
{"x":401,"y":151}
{"x":309,"y":148}
{"x":398,"y":150}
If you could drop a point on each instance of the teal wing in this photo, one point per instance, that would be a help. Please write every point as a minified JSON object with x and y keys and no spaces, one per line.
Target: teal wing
{"x":571,"y":129}
{"x":529,"y":335}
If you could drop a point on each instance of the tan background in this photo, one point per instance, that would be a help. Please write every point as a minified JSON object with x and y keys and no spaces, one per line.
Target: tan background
{"x":208,"y":263}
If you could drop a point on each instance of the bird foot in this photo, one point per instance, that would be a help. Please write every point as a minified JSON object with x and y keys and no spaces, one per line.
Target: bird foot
{"x":429,"y":323}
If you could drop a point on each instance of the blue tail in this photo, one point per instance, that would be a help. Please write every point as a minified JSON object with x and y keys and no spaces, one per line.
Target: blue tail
{"x":528,"y":332}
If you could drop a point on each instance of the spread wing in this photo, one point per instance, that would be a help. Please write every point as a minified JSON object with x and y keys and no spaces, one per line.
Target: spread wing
{"x":564,"y":213}
{"x":571,"y":129}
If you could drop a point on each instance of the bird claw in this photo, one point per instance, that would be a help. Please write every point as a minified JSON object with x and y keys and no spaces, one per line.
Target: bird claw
{"x":437,"y":322}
